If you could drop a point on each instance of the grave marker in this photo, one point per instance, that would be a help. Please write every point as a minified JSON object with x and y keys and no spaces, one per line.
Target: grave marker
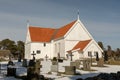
{"x":33,"y":70}
{"x":11,"y":69}
{"x":86,"y":65}
{"x":24,"y":63}
{"x":70,"y":70}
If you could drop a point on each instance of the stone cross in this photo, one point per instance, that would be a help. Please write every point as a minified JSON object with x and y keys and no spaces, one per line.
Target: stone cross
{"x":71,"y":56}
{"x":33,"y":55}
{"x":46,"y":57}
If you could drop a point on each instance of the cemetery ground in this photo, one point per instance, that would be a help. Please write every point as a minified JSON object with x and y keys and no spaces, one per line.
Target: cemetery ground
{"x":50,"y":71}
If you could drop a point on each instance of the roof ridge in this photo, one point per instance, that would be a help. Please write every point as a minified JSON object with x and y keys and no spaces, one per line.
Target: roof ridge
{"x":64,"y":29}
{"x":41,"y":27}
{"x":55,"y":32}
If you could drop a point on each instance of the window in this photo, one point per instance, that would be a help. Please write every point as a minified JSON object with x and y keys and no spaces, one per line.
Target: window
{"x":38,"y":51}
{"x":95,"y":53}
{"x":89,"y":53}
{"x":44,"y":44}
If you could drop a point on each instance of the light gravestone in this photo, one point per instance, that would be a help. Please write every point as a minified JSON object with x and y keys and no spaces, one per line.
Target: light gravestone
{"x":76,"y":64}
{"x":54,"y":66}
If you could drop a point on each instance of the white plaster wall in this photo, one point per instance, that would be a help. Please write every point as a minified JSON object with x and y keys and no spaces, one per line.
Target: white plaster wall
{"x":59,"y":47}
{"x":92,"y":47}
{"x":77,"y":32}
{"x":76,"y":55}
{"x":27,"y":51}
{"x":69,"y":44}
{"x":45,"y":50}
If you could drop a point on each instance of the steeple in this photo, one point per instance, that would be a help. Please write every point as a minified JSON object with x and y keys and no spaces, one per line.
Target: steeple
{"x":78,"y":15}
{"x":28,"y":23}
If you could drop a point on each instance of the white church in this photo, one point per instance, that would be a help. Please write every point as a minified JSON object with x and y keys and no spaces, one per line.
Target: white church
{"x":69,"y":41}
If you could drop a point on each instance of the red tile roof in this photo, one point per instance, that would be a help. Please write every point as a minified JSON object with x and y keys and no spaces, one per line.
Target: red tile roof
{"x":63,"y":30}
{"x":81,"y":45}
{"x":39,"y":34}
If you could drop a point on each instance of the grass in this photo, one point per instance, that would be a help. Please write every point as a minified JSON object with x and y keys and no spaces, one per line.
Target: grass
{"x":98,"y":66}
{"x":113,"y":62}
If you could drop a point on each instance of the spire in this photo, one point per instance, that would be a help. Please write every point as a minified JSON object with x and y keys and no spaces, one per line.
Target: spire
{"x":78,"y":14}
{"x":28,"y":23}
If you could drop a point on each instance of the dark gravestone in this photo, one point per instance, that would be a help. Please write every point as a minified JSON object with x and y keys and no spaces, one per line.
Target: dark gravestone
{"x":31,"y":63}
{"x":71,"y":56}
{"x":11,"y":70}
{"x":37,"y":67}
{"x":79,"y":79}
{"x":19,"y":57}
{"x":33,"y":70}
{"x":70,"y":70}
{"x":24,"y":64}
{"x":86,"y":64}
{"x":33,"y":55}
{"x":54,"y":62}
{"x":60,"y":60}
{"x":10,"y":63}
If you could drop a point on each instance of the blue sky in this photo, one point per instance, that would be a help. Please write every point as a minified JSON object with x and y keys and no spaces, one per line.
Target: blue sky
{"x":100,"y":17}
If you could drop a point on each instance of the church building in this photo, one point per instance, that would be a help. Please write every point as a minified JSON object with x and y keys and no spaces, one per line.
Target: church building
{"x":69,"y":41}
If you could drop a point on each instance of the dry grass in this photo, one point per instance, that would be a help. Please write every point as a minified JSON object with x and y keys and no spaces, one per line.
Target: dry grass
{"x":113,"y":62}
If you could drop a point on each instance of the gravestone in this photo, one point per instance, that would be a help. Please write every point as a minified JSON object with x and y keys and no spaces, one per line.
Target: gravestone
{"x":54,"y":62}
{"x":10,"y":63}
{"x":70,"y":70}
{"x":37,"y":67}
{"x":33,"y":70}
{"x":100,"y":63}
{"x":33,"y":54}
{"x":24,"y":63}
{"x":60,"y":60}
{"x":11,"y":70}
{"x":54,"y":66}
{"x":19,"y":56}
{"x":86,"y":64}
{"x":71,"y":56}
{"x":76,"y":64}
{"x":31,"y":63}
{"x":46,"y":57}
